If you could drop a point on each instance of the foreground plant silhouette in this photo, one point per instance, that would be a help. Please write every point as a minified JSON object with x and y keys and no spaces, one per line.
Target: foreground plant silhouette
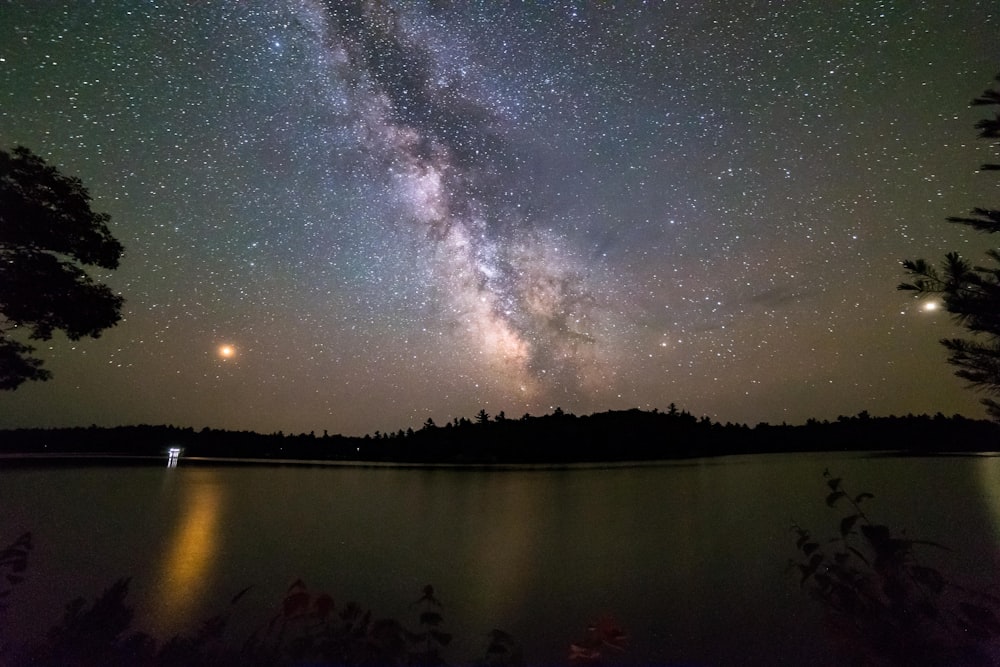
{"x":49,"y":236}
{"x":883,"y":606}
{"x":308,"y":628}
{"x":603,"y":638}
{"x":971,"y":293}
{"x":13,"y":563}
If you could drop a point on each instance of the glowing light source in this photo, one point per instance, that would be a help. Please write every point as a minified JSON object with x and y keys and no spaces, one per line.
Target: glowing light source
{"x":930,"y":306}
{"x":227,"y":351}
{"x":173,"y":454}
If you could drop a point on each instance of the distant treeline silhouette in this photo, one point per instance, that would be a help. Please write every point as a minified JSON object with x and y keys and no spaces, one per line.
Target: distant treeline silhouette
{"x":557,"y":438}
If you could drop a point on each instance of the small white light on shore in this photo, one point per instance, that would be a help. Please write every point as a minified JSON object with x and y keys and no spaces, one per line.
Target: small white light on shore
{"x":173,"y":454}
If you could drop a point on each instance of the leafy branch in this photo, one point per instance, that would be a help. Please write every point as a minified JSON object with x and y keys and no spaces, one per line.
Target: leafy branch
{"x":883,"y":605}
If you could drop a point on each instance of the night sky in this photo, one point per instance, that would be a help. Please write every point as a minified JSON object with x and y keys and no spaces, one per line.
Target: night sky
{"x":354,"y":216}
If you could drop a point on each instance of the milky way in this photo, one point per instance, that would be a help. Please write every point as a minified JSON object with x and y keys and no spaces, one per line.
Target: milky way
{"x":510,"y":295}
{"x":389,"y":211}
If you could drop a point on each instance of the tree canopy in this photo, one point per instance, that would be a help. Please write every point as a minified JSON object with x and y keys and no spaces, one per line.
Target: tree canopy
{"x":48,"y":234}
{"x":971,"y":293}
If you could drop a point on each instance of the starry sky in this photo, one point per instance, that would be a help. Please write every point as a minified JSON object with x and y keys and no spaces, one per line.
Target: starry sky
{"x":353,"y":215}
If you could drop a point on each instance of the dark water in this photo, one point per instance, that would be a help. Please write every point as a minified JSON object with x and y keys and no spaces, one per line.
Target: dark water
{"x":690,"y":558}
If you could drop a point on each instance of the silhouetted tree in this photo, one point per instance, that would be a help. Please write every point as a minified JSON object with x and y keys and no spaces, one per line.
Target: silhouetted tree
{"x":47,"y":234}
{"x":971,"y":293}
{"x":482,"y":417}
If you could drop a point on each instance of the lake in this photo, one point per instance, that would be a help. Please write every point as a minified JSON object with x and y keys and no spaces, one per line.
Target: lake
{"x":691,"y":558}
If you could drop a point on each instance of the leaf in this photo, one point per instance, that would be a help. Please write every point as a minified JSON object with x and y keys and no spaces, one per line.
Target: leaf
{"x":19,"y":549}
{"x":847,"y":524}
{"x":834,"y":483}
{"x":295,"y":603}
{"x":351,"y":611}
{"x":236,"y":598}
{"x":862,"y":496}
{"x":497,"y":647}
{"x":929,"y":543}
{"x":894,"y":590}
{"x":859,"y":555}
{"x":847,"y":596}
{"x":832,"y":499}
{"x":877,"y":535}
{"x":442,"y":638}
{"x":810,"y":568}
{"x":323,"y":605}
{"x":431,"y":618}
{"x":809,"y":547}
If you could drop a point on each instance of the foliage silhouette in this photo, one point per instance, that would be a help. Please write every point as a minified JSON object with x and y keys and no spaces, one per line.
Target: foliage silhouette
{"x":971,"y":293}
{"x":614,"y":436}
{"x":883,"y":605}
{"x":97,"y":635}
{"x":602,"y":638}
{"x":431,"y":639}
{"x":13,"y":563}
{"x":48,"y":233}
{"x":503,"y":650}
{"x":307,"y":629}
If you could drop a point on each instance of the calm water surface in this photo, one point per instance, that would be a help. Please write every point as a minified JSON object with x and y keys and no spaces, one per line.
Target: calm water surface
{"x":691,"y":558}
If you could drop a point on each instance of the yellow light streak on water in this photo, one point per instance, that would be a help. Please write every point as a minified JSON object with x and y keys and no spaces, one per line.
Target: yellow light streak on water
{"x":189,"y":555}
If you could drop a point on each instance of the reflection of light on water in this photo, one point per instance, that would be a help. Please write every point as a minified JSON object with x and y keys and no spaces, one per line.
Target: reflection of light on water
{"x":189,"y":554}
{"x":506,"y":550}
{"x":988,"y":471}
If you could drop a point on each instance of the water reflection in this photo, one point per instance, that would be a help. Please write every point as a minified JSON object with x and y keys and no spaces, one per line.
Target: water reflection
{"x":507,"y":548}
{"x":191,"y":550}
{"x":690,"y":558}
{"x":988,"y":471}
